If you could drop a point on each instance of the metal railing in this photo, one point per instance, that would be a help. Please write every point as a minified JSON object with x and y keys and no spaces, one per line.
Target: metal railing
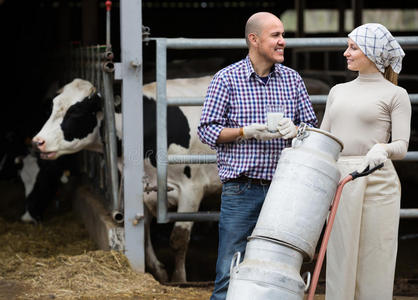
{"x":162,"y":44}
{"x":93,"y":63}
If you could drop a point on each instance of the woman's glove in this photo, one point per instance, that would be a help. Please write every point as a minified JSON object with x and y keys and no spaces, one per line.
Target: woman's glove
{"x":259,"y":132}
{"x":376,"y":155}
{"x":287,"y":128}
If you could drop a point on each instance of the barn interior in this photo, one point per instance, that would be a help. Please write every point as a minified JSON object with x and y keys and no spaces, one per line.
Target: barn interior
{"x":36,"y":34}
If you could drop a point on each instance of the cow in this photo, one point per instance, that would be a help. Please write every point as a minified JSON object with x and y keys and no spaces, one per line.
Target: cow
{"x":75,"y":124}
{"x":40,"y":178}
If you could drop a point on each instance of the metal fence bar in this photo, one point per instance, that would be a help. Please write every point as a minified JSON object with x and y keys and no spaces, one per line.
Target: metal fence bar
{"x":195,"y":217}
{"x":163,"y":44}
{"x":315,"y":99}
{"x":411,"y":156}
{"x":322,"y":99}
{"x":132,"y":111}
{"x":211,"y":158}
{"x":192,"y":159}
{"x":409,"y":213}
{"x":408,"y":42}
{"x":405,"y":213}
{"x":111,"y":146}
{"x":161,"y":131}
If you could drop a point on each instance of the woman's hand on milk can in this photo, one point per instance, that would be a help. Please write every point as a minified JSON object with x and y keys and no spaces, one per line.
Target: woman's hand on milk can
{"x":376,"y":155}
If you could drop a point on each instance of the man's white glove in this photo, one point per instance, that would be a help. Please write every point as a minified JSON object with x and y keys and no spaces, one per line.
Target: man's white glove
{"x":376,"y":155}
{"x":259,"y":132}
{"x":287,"y":128}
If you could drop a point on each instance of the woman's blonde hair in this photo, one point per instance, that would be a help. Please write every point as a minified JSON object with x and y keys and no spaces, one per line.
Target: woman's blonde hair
{"x":391,"y":75}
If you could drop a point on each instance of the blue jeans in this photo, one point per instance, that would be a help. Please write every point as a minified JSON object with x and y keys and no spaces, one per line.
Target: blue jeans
{"x":240,"y":207}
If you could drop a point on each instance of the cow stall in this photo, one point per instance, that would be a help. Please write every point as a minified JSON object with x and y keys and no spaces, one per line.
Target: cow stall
{"x":89,"y":62}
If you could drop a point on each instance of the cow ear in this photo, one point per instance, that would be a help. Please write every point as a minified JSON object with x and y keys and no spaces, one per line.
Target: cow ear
{"x":92,"y":90}
{"x":96,"y":102}
{"x":85,"y":85}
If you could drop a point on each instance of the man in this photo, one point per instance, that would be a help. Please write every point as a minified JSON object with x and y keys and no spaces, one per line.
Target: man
{"x":233,"y":122}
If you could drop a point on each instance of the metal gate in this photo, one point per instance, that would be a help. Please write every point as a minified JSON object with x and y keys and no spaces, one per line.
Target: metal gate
{"x":162,"y":44}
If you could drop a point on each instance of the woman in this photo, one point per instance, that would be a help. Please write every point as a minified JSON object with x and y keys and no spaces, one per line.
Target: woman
{"x":371,"y":115}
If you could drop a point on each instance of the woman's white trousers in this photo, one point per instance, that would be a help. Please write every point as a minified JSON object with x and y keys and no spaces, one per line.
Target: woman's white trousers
{"x":361,"y":253}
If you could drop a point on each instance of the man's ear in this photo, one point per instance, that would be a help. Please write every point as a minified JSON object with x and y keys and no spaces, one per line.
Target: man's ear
{"x":252,"y":38}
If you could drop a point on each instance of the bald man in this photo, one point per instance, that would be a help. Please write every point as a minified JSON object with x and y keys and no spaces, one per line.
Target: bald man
{"x":233,"y":122}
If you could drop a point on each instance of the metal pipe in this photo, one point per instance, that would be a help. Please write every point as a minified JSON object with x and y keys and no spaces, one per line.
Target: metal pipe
{"x":325,"y":238}
{"x":97,"y":69}
{"x":117,"y":216}
{"x":111,"y":146}
{"x":315,"y":99}
{"x":409,"y":213}
{"x":411,"y":156}
{"x":108,"y":8}
{"x":185,"y":43}
{"x":195,"y":217}
{"x":410,"y":42}
{"x":192,"y":159}
{"x":108,"y":67}
{"x":161,"y":131}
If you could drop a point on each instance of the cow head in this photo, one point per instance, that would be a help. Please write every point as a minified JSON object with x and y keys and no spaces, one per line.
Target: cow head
{"x":74,"y":122}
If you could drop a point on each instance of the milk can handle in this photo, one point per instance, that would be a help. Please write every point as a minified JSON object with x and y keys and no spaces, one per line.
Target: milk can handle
{"x":307,"y":275}
{"x":301,"y":133}
{"x":365,"y":172}
{"x":235,"y":261}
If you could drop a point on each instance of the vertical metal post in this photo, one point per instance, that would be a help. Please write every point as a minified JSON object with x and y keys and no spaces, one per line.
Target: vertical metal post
{"x":111,"y":147}
{"x":300,"y":6}
{"x":341,"y":18}
{"x":92,"y":64}
{"x":97,"y":67}
{"x":357,"y":6}
{"x":161,"y":155}
{"x":108,"y":9}
{"x":133,"y":162}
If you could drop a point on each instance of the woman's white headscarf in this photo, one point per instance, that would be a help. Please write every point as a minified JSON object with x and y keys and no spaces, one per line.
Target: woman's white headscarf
{"x":378,"y":44}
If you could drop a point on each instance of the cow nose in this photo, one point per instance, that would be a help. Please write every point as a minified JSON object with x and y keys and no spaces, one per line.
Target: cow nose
{"x":38,"y":143}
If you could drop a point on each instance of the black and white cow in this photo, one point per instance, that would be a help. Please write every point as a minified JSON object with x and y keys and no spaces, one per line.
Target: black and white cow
{"x":75,"y":124}
{"x":40,"y":178}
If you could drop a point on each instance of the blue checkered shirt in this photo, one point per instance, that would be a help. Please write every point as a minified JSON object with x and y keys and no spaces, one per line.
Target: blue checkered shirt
{"x":237,"y":97}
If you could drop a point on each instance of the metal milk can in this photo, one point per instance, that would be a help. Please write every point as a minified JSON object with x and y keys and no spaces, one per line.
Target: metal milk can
{"x":269,"y":271}
{"x":302,"y":189}
{"x":290,"y":221}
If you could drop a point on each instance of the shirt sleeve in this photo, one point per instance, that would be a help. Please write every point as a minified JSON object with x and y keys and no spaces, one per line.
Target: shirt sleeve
{"x":401,"y":125}
{"x":306,"y":112}
{"x":213,"y":120}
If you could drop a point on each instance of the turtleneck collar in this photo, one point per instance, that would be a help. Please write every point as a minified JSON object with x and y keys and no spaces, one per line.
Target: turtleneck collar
{"x":373,"y":77}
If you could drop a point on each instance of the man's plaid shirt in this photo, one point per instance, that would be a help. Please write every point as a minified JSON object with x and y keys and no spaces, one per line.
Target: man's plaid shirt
{"x":237,"y":97}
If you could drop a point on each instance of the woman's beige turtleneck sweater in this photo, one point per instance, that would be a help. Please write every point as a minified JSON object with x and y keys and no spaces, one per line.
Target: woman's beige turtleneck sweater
{"x":367,"y":111}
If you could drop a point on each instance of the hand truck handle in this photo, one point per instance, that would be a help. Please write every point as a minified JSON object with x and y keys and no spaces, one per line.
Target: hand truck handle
{"x":365,"y":172}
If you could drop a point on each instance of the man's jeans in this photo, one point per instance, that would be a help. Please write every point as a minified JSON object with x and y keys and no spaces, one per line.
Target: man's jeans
{"x":240,"y":207}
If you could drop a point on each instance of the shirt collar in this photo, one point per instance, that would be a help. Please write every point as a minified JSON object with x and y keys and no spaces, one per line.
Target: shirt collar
{"x":249,"y":70}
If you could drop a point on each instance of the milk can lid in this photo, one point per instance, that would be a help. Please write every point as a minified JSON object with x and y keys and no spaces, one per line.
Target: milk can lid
{"x":327,"y":134}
